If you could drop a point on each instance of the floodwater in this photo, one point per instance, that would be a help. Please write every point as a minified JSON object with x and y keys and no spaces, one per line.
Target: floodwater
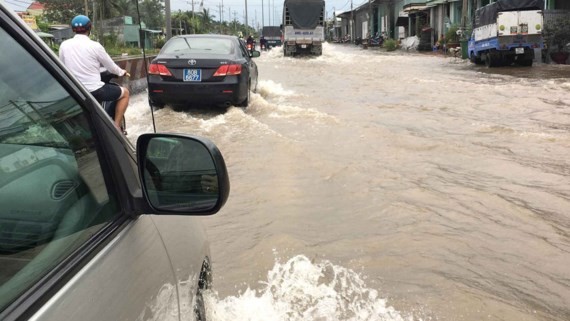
{"x":389,"y":186}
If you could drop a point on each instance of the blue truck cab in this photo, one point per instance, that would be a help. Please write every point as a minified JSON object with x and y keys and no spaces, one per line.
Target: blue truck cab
{"x":507,"y":32}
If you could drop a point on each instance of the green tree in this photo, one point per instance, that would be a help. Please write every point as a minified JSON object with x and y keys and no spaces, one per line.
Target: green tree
{"x":204,"y":21}
{"x":124,"y":8}
{"x":62,"y":11}
{"x":152,"y":13}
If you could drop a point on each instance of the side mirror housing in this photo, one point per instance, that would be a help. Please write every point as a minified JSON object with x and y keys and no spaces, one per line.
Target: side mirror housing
{"x":182,"y":174}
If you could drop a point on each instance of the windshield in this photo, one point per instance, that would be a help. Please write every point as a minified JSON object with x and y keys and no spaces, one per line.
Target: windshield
{"x":189,"y":45}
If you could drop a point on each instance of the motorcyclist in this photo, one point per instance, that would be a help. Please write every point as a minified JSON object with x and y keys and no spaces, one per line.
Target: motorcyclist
{"x":250,"y":40}
{"x":263,"y":42}
{"x":83,"y":57}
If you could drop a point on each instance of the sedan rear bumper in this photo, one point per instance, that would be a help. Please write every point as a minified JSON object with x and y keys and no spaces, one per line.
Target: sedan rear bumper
{"x":229,"y":91}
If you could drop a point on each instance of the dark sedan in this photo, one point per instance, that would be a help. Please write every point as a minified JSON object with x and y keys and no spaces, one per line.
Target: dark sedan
{"x":202,"y":70}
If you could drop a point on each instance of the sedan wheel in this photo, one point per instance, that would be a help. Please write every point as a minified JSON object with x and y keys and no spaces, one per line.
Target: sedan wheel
{"x":245,"y":103}
{"x":200,"y":308}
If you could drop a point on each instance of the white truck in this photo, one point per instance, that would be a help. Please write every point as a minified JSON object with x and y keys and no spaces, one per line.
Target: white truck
{"x":507,"y":32}
{"x":303,"y":27}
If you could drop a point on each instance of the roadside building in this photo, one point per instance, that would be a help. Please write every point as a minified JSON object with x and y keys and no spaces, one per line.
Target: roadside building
{"x":429,"y":20}
{"x":126,"y":32}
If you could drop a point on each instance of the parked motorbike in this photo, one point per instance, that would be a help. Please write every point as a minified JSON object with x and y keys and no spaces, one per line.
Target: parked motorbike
{"x":109,"y":106}
{"x":376,"y":41}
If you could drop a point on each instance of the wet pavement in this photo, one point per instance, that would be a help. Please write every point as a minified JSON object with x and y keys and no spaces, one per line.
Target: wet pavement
{"x":387,"y":186}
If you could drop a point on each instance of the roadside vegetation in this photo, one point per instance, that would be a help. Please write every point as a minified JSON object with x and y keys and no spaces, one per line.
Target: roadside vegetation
{"x":60,"y":12}
{"x":390,"y":44}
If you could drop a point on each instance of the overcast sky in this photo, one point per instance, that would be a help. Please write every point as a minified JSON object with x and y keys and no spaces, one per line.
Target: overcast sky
{"x":272,"y":9}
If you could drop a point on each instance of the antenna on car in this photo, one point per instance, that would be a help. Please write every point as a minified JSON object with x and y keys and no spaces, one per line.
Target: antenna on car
{"x":145,"y":63}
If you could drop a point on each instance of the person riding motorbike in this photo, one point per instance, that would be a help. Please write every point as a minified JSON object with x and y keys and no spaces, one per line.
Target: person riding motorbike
{"x":83,"y":57}
{"x":263,"y":43}
{"x":250,"y":43}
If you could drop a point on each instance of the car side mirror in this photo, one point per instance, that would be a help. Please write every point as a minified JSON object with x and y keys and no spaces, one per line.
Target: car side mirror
{"x":255,"y":54}
{"x":182,"y":174}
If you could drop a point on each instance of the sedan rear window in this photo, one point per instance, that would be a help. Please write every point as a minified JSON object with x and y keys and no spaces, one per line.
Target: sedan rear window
{"x":216,"y":46}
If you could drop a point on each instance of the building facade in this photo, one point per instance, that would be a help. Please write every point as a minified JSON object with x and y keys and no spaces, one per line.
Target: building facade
{"x":398,"y":19}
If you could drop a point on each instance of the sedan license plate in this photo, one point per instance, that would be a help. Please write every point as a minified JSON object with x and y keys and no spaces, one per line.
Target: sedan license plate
{"x":519,"y":51}
{"x":192,"y":75}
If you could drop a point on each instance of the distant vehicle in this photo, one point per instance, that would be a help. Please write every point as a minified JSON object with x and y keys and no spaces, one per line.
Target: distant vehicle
{"x":204,"y":70}
{"x":303,"y":27}
{"x":91,"y":229}
{"x":507,"y":32}
{"x":272,"y":35}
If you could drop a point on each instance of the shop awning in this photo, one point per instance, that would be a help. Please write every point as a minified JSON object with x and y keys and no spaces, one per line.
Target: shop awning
{"x":151,"y":31}
{"x":435,"y":3}
{"x":44,"y":34}
{"x":413,"y":7}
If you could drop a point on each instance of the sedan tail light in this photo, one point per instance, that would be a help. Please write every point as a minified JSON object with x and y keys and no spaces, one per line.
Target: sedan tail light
{"x":158,"y":69}
{"x":228,"y":70}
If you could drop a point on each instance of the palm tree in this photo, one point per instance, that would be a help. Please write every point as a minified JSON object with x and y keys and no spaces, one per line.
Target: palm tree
{"x":206,"y":19}
{"x":124,"y":7}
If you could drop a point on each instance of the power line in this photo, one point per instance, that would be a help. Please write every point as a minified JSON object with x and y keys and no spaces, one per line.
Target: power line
{"x":17,"y":5}
{"x":21,"y":1}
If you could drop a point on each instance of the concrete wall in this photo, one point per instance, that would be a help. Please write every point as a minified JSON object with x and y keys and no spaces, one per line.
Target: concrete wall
{"x":136,"y":67}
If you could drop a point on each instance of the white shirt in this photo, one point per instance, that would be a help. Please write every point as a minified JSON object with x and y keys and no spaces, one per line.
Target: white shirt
{"x":83,"y":57}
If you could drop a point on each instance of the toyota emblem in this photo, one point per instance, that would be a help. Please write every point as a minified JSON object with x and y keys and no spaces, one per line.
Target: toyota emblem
{"x":192,"y":62}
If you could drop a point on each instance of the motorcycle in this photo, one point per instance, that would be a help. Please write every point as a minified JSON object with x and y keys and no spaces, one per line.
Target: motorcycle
{"x":376,"y":42}
{"x":109,"y":106}
{"x":250,"y":48}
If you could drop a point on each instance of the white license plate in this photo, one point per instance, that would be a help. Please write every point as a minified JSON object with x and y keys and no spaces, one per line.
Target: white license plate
{"x":303,"y":46}
{"x":192,"y":75}
{"x":519,"y":51}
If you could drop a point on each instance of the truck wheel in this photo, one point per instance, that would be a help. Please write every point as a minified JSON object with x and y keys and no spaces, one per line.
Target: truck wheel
{"x":489,"y":60}
{"x":473,"y":58}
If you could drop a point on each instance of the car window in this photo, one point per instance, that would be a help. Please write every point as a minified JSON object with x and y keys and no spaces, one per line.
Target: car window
{"x":53,"y":196}
{"x":243,"y":49}
{"x":188,"y":45}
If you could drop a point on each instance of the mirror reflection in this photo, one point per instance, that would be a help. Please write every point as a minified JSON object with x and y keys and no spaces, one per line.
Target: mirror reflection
{"x":180,"y":175}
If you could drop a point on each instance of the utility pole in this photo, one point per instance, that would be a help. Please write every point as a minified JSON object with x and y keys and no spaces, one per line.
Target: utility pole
{"x":193,"y":24}
{"x":235,"y":22}
{"x":370,"y":19}
{"x":246,"y":21}
{"x":464,"y":15}
{"x":351,"y":22}
{"x":168,"y":19}
{"x":86,"y":8}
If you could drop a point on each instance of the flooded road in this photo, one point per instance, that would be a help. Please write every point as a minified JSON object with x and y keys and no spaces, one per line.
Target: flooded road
{"x":389,"y":186}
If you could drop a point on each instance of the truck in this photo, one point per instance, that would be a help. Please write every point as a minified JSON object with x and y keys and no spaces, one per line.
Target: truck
{"x":303,"y":27}
{"x":272,"y":34}
{"x":507,"y":32}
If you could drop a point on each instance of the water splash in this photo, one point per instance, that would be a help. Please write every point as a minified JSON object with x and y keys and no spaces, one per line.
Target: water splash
{"x":300,"y":289}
